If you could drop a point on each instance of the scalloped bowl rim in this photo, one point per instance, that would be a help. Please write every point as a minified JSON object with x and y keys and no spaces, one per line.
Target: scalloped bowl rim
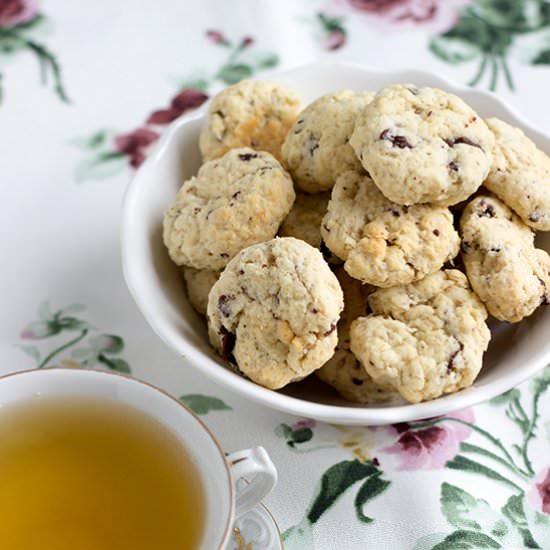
{"x":336,"y":414}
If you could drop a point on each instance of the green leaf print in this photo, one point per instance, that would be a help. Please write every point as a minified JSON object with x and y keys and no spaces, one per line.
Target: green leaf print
{"x":233,"y":73}
{"x":335,"y":481}
{"x":513,"y":511}
{"x":94,"y":348}
{"x":487,"y":30}
{"x":539,"y":525}
{"x":468,"y":513}
{"x":117,"y":364}
{"x":460,"y":462}
{"x":506,"y":397}
{"x":266,"y":60}
{"x":466,"y":540}
{"x":102,"y":165}
{"x":543,"y":58}
{"x":373,"y":487}
{"x":333,"y":484}
{"x":21,"y":37}
{"x":203,"y":404}
{"x":299,"y":537}
{"x":457,"y":505}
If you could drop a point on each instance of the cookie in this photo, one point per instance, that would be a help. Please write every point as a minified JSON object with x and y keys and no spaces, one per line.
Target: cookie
{"x":343,"y":371}
{"x":198,"y":283}
{"x":233,"y":202}
{"x":317,"y":150}
{"x":423,"y":145}
{"x":520,"y":175}
{"x":274,"y":310}
{"x":425,"y":339}
{"x":506,"y":271}
{"x":252,"y":113}
{"x":383,"y":243}
{"x":304,"y":219}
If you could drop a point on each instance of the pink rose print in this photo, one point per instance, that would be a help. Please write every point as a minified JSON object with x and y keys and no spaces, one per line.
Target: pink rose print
{"x":434,"y":15}
{"x":539,"y":496}
{"x":186,"y":100}
{"x":335,"y":40}
{"x":216,"y":37}
{"x":431,"y":447}
{"x":14,"y":12}
{"x":134,"y":144}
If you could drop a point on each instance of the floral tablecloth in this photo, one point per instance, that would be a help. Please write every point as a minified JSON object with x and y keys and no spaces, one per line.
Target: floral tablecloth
{"x":87,"y":87}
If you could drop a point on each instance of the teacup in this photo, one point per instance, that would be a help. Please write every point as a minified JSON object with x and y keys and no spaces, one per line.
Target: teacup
{"x":218,"y":472}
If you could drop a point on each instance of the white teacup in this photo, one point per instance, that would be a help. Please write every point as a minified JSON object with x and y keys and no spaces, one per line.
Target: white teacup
{"x":219,"y":473}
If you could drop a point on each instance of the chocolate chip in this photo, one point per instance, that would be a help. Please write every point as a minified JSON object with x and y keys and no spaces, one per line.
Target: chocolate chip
{"x":436,"y":232}
{"x":488,"y":210}
{"x":463,"y":140}
{"x":330,"y":330}
{"x":375,"y":462}
{"x":247,"y":156}
{"x":429,"y":113}
{"x":224,"y":255}
{"x":236,"y":195}
{"x":357,"y":381}
{"x":395,"y":213}
{"x":241,"y":271}
{"x":396,"y":141}
{"x":223,"y":304}
{"x":228,"y":345}
{"x":196,"y":210}
{"x":298,"y":130}
{"x":450,"y":364}
{"x":314,"y":311}
{"x":494,"y":249}
{"x":313,"y":144}
{"x":453,"y":166}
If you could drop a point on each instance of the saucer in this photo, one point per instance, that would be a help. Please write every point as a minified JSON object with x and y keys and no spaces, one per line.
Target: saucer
{"x":256,"y":530}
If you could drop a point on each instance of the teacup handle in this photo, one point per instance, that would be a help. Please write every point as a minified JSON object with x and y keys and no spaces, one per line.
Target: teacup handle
{"x":256,"y":465}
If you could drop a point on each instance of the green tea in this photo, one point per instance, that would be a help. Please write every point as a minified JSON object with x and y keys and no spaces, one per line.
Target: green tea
{"x":90,"y":474}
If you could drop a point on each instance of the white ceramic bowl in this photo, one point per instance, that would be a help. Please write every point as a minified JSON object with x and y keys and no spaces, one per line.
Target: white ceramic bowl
{"x":515,"y":353}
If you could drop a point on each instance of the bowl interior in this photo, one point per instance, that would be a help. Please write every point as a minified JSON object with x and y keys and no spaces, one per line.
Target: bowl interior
{"x":516,"y":350}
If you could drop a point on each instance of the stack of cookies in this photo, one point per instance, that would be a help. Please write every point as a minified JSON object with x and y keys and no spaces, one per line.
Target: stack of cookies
{"x":366,"y":238}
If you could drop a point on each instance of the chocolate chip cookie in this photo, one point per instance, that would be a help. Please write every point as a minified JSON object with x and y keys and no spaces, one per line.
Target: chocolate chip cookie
{"x":198,"y":283}
{"x":520,"y":175}
{"x":425,"y":339}
{"x":252,"y":113}
{"x":384,"y":243}
{"x":423,"y":145}
{"x":317,"y":150}
{"x":233,"y":202}
{"x":273,"y":312}
{"x":506,"y":271}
